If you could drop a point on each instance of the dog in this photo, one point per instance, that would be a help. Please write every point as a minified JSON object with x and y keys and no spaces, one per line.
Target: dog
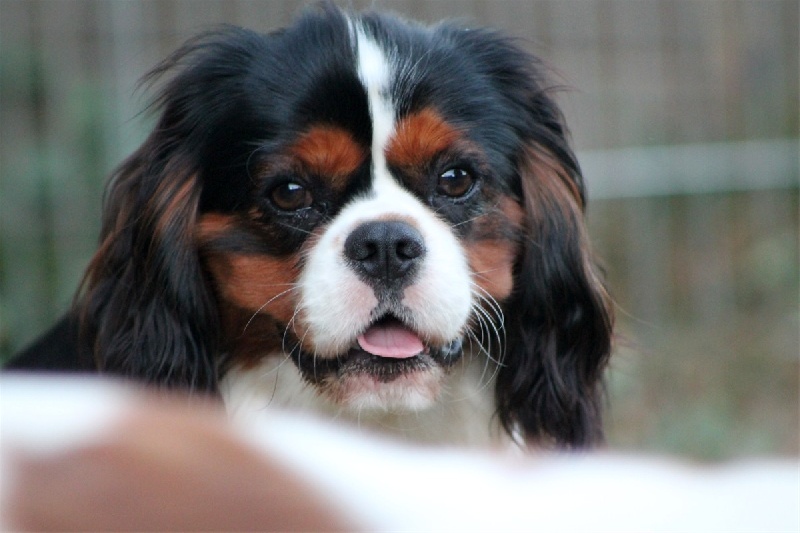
{"x":357,"y":216}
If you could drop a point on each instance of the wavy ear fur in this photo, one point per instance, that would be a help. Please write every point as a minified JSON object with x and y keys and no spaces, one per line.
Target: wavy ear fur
{"x":146,"y":308}
{"x":559,"y":320}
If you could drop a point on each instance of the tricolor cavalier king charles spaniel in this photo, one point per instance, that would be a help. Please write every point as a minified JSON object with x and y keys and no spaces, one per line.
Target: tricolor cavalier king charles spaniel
{"x":356,"y":216}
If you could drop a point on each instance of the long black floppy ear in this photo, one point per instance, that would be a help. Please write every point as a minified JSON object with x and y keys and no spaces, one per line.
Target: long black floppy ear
{"x":146,"y":309}
{"x":559,"y":318}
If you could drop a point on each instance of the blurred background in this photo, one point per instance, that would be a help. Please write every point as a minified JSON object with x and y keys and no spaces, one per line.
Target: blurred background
{"x":685,"y":116}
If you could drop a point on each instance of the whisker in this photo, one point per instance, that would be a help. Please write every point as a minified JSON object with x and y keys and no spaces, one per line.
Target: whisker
{"x":491,"y":322}
{"x":294,"y":228}
{"x":286,"y":332}
{"x":257,"y":311}
{"x":484,"y":296}
{"x":473,"y":219}
{"x":484,"y":381}
{"x":486,"y":325}
{"x":491,"y":329}
{"x":491,"y":209}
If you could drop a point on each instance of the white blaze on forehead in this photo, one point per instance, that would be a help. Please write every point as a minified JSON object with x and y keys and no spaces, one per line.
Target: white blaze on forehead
{"x":336,"y":304}
{"x":375,"y":72}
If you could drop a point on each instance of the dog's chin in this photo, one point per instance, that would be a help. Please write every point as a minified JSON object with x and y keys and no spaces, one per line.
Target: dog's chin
{"x":360,"y":380}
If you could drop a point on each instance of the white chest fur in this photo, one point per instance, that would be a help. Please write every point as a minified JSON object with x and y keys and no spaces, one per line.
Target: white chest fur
{"x":462,"y":415}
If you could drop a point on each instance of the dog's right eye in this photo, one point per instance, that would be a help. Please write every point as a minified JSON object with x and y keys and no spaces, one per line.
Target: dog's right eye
{"x":290,"y":196}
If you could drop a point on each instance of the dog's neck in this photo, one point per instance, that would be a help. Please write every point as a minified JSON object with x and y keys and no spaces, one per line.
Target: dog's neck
{"x":463,"y":414}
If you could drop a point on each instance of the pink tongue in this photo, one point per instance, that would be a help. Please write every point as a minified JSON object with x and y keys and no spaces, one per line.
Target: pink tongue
{"x":391,"y":340}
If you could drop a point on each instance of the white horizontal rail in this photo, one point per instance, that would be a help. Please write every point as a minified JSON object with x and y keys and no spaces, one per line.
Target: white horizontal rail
{"x":691,"y":168}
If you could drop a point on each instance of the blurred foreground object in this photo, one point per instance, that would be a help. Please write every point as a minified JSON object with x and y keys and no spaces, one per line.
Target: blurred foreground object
{"x":86,"y":454}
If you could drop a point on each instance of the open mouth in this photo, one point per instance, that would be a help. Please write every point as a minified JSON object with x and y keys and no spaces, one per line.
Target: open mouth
{"x":386,"y":350}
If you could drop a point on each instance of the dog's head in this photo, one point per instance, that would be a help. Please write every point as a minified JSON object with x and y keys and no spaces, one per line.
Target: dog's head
{"x":369,"y":197}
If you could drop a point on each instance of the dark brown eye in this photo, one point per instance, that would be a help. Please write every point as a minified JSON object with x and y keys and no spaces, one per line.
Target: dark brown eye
{"x":290,"y":196}
{"x":455,"y":182}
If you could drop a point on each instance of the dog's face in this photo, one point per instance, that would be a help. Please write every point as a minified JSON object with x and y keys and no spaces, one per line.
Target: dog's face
{"x":369,"y":198}
{"x":372,"y":221}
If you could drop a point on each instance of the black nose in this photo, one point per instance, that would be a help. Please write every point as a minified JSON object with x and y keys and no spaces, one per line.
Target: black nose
{"x":385,"y":252}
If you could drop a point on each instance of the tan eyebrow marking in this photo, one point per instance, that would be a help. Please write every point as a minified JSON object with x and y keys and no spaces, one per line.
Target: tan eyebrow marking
{"x":329,"y":152}
{"x":419,"y":137}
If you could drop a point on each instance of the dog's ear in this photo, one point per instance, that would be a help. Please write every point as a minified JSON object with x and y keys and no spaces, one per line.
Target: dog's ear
{"x":559,"y":318}
{"x":146,"y":309}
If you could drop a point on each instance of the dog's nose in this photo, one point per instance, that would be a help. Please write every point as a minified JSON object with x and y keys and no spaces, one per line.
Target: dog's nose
{"x":386,"y":252}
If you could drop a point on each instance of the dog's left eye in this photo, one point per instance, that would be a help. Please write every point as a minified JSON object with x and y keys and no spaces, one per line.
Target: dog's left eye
{"x":455,"y":183}
{"x":290,"y":196}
